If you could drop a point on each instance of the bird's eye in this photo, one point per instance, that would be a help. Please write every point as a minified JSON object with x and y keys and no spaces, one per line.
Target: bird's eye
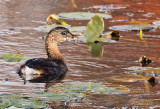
{"x":64,"y":33}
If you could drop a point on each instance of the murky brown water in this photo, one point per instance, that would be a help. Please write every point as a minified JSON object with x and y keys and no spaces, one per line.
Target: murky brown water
{"x":25,"y":15}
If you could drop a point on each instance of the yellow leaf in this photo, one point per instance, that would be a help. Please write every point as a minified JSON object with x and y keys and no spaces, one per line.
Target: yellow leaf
{"x":140,"y":34}
{"x":19,"y":54}
{"x":56,"y":18}
{"x":74,"y":4}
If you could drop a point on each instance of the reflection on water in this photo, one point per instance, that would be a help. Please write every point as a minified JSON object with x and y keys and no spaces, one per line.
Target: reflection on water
{"x":96,"y":48}
{"x":40,"y":78}
{"x":18,"y":18}
{"x":152,"y":81}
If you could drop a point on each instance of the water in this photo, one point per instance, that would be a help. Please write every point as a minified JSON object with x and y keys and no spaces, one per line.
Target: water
{"x":17,"y":34}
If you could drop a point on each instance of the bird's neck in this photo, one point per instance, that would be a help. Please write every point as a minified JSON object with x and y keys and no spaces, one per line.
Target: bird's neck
{"x":53,"y":51}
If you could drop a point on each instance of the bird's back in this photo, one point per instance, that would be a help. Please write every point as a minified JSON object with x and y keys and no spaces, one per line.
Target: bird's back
{"x":47,"y":67}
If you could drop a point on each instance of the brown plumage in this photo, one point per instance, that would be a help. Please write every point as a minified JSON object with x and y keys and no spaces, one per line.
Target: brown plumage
{"x":52,"y":67}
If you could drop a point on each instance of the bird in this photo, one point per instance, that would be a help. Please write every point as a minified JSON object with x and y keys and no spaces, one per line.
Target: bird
{"x":53,"y":67}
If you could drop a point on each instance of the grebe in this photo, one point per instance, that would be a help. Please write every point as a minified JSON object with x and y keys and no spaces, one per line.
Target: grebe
{"x":54,"y":66}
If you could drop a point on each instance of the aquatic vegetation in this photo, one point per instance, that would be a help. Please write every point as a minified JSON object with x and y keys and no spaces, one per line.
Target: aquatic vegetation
{"x":60,"y":92}
{"x":94,"y":28}
{"x":82,"y":15}
{"x":137,"y":70}
{"x":135,"y":27}
{"x":56,"y":18}
{"x":47,"y":28}
{"x":13,"y":57}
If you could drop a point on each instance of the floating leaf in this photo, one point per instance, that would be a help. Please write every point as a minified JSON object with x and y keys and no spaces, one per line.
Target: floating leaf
{"x":94,"y":28}
{"x":4,"y":103}
{"x":13,"y":57}
{"x":143,"y":71}
{"x":140,"y":34}
{"x":47,"y":28}
{"x":26,"y":103}
{"x":82,"y":87}
{"x":56,"y":18}
{"x":82,"y":15}
{"x":133,"y":27}
{"x":77,"y":28}
{"x":67,"y":92}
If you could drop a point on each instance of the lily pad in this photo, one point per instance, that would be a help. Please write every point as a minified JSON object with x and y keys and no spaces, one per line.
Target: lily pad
{"x":156,"y":23}
{"x":143,"y":71}
{"x":82,"y":15}
{"x":94,"y":28}
{"x":77,"y":28}
{"x":67,"y":92}
{"x":4,"y":103}
{"x":133,"y":27}
{"x":13,"y":57}
{"x":106,"y":8}
{"x":26,"y":103}
{"x":47,"y":28}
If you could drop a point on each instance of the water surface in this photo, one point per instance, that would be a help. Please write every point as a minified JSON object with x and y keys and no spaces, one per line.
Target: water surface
{"x":19,"y":18}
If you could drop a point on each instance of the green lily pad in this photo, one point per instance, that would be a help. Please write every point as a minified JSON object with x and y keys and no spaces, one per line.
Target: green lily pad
{"x":94,"y":28}
{"x":82,"y":15}
{"x":4,"y":103}
{"x":147,"y":27}
{"x":13,"y":57}
{"x":67,"y":92}
{"x":137,"y":68}
{"x":77,"y":28}
{"x":26,"y":103}
{"x":83,"y":87}
{"x":47,"y":28}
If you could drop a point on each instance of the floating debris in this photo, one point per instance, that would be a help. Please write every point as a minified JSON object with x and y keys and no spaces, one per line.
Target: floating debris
{"x":152,"y":81}
{"x":144,"y":61}
{"x":52,"y":17}
{"x":114,"y":35}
